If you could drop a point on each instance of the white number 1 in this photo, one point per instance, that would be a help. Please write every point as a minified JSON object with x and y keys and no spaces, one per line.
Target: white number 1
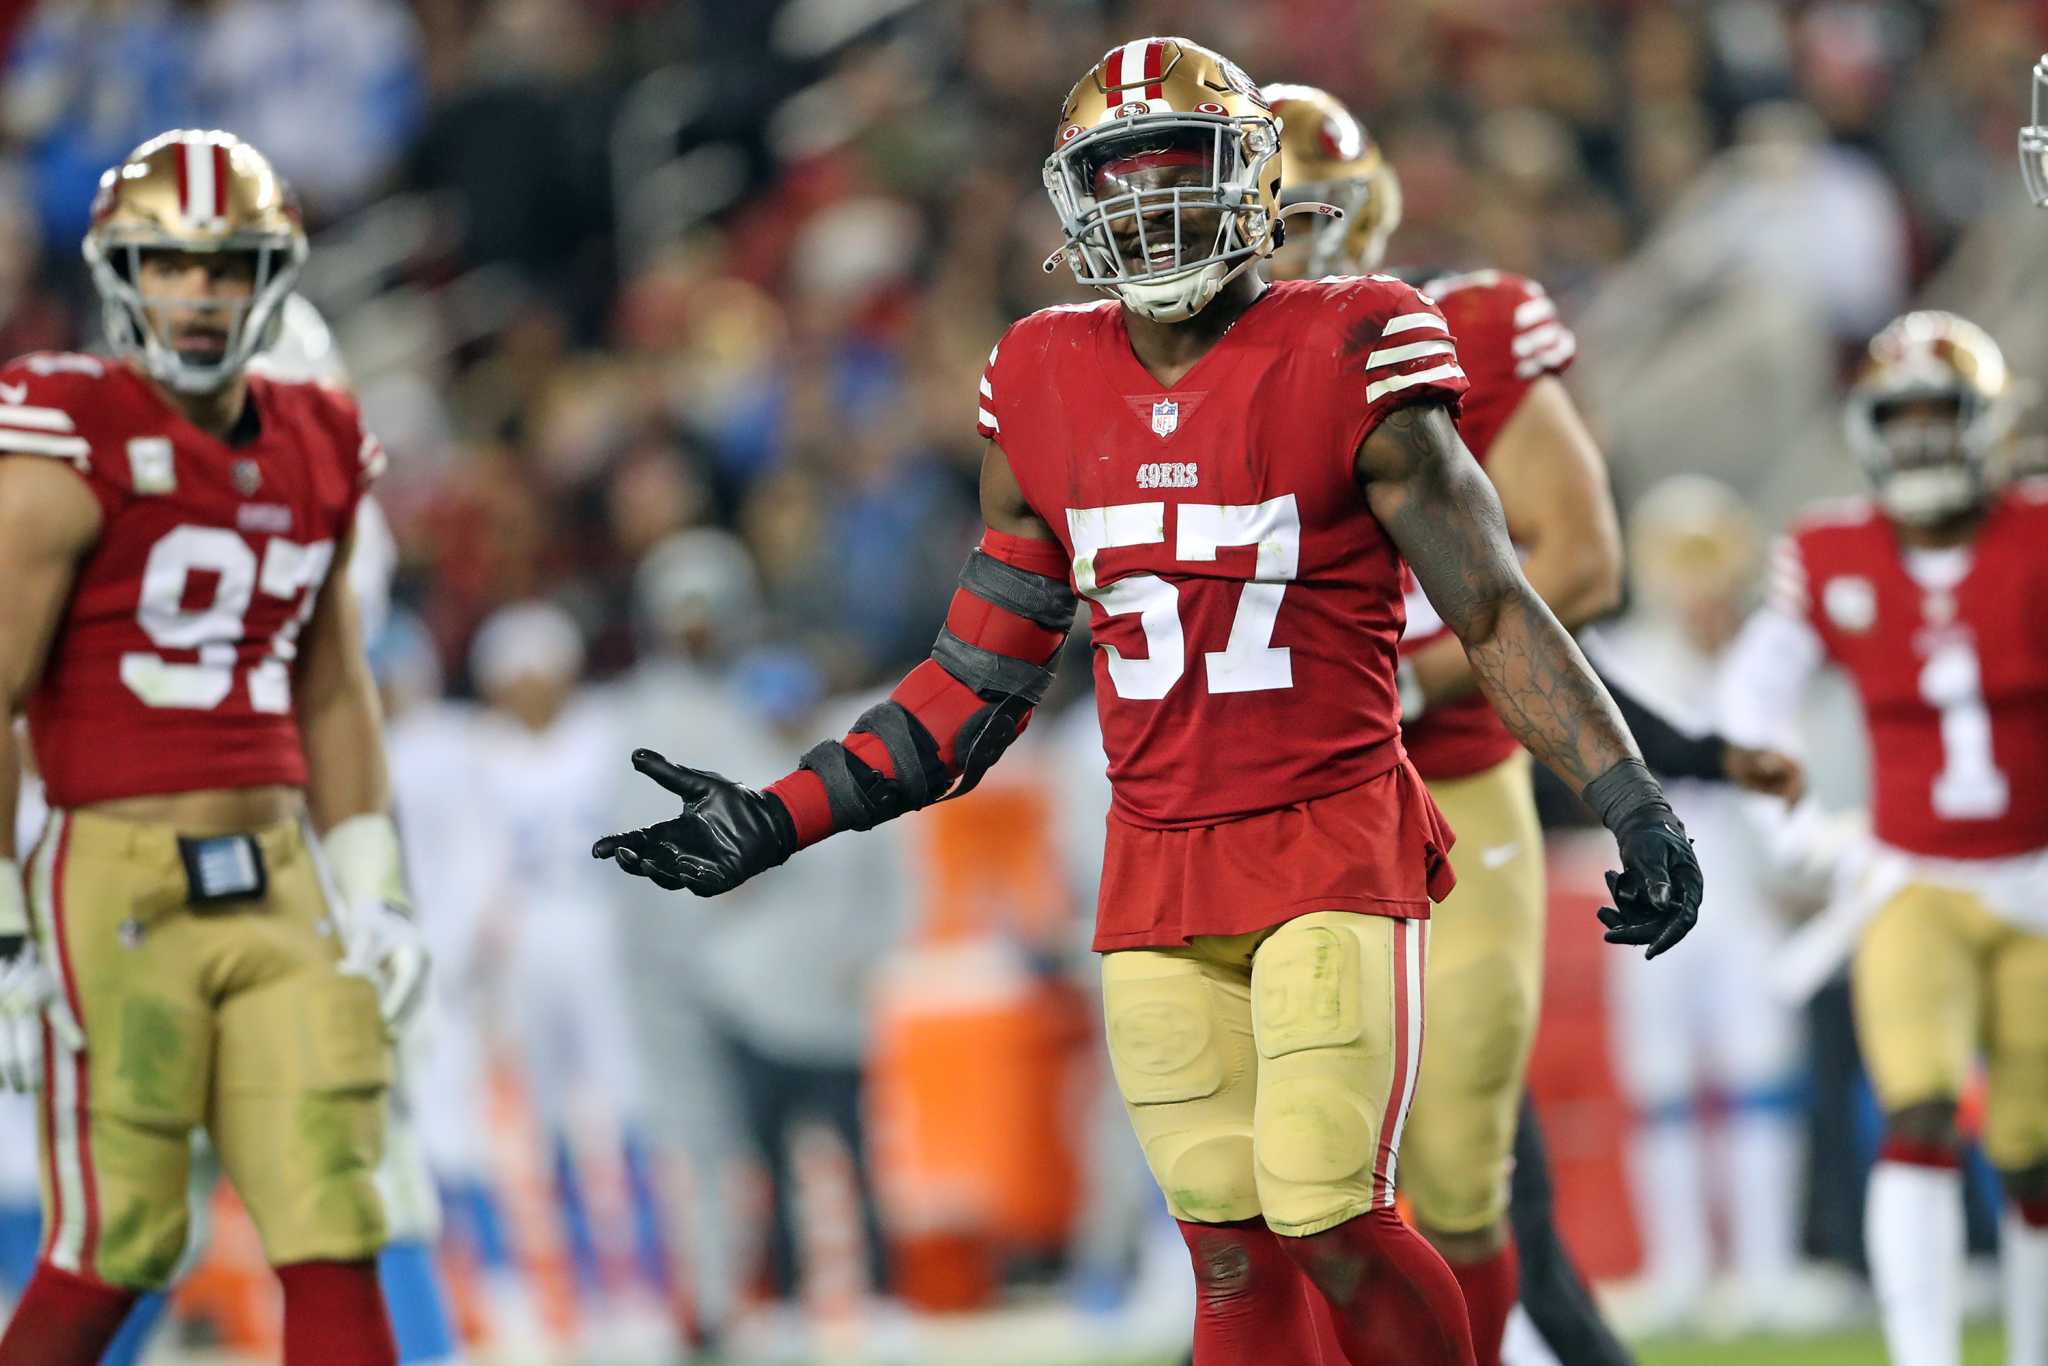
{"x":1249,"y":661}
{"x":1969,"y":786}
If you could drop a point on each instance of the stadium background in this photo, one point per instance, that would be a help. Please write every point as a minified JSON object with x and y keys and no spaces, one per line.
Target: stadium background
{"x":604,"y":271}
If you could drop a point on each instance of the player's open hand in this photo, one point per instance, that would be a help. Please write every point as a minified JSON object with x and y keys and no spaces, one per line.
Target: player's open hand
{"x":1657,"y":892}
{"x":1764,"y":770}
{"x":727,"y":832}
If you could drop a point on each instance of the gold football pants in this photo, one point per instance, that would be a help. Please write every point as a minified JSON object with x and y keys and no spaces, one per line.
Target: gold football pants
{"x":1268,"y":1074}
{"x":1939,"y":979}
{"x":232,"y":1017}
{"x":1485,"y":985}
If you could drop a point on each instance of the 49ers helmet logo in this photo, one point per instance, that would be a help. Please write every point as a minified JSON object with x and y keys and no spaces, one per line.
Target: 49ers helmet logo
{"x":1134,"y":107}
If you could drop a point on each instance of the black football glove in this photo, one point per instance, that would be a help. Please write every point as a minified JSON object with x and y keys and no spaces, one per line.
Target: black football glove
{"x":1657,"y":892}
{"x":727,"y":833}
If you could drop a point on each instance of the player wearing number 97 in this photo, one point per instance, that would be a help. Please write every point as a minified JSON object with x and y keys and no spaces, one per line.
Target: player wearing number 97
{"x":1231,"y":473}
{"x":1930,"y":595}
{"x":176,"y":622}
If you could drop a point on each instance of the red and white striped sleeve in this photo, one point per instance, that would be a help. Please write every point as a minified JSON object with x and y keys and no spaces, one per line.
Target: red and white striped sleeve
{"x":1785,"y":587}
{"x":986,"y":421}
{"x":46,"y":402}
{"x":1542,"y":345}
{"x":1411,"y":359}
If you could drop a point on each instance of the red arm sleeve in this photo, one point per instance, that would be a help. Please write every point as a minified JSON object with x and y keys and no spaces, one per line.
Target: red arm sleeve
{"x":941,"y":703}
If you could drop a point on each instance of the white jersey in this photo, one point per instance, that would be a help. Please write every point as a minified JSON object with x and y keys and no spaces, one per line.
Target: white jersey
{"x":1716,"y":1024}
{"x":551,"y":907}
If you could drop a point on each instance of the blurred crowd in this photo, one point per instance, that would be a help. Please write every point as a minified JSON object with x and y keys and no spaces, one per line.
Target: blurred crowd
{"x":607,"y":269}
{"x":671,"y":317}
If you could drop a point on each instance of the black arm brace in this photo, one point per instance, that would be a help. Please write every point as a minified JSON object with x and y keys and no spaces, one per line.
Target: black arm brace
{"x":863,"y":798}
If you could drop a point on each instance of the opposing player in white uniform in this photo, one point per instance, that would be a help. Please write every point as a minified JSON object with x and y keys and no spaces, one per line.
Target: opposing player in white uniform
{"x":542,"y":751}
{"x":1720,"y":1030}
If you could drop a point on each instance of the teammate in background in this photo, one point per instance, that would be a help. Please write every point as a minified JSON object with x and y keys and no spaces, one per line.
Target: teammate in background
{"x":304,"y":351}
{"x":1695,"y":553}
{"x":1486,"y":950}
{"x":1928,"y":595}
{"x":1232,"y":473}
{"x":221,"y":931}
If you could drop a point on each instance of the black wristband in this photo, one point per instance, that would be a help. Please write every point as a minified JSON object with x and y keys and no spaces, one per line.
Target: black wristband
{"x":1625,"y":794}
{"x":11,"y":946}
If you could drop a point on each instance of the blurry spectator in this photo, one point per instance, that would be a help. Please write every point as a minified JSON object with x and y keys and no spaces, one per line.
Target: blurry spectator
{"x":87,"y":81}
{"x":331,"y":90}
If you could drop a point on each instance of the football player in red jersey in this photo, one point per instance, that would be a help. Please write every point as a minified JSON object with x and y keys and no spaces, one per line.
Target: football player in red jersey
{"x":1929,"y":596}
{"x":1486,"y":942}
{"x":220,"y":930}
{"x":1231,"y":473}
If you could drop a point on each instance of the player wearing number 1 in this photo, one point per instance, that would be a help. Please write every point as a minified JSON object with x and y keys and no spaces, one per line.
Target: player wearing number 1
{"x":1231,"y":473}
{"x":1929,"y":596}
{"x":218,"y":916}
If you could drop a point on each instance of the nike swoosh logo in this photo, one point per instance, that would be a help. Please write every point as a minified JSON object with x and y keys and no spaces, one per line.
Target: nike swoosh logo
{"x":14,"y":393}
{"x":1495,"y":855}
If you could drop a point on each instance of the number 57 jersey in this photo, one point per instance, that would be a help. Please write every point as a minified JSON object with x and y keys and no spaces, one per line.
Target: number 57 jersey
{"x":172,"y":667}
{"x":1245,"y":603}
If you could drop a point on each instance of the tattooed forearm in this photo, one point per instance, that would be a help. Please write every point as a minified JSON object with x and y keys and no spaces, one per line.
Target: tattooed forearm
{"x":1436,"y":503}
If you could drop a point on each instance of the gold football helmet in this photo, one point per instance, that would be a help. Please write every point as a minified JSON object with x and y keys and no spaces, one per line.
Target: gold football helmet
{"x":193,"y":191}
{"x":1327,"y":154}
{"x":1930,"y":404}
{"x":1165,"y":104}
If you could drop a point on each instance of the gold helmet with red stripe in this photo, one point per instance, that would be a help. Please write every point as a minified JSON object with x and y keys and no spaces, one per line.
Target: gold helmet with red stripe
{"x":200,"y":192}
{"x":1327,"y":154}
{"x":1165,"y":173}
{"x":1931,"y":403}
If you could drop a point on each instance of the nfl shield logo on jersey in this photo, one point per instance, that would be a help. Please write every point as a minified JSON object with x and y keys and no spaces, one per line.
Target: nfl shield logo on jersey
{"x":247,"y":477}
{"x":1165,"y":417}
{"x":1850,"y":602}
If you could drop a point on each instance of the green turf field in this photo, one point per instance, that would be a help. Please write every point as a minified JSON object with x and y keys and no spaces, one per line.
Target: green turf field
{"x":1984,"y":1348}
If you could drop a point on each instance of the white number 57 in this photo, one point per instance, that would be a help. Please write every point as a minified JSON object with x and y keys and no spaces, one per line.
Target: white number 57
{"x":1249,"y":661}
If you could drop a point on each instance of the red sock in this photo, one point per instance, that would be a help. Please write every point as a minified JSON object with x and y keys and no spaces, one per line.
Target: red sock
{"x":1490,"y":1288}
{"x":1392,"y":1299}
{"x":63,"y":1319}
{"x":334,"y":1315}
{"x":1249,"y":1301}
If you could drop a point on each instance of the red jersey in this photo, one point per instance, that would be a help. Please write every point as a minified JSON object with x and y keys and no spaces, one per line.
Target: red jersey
{"x":1949,"y":653}
{"x":171,"y":669}
{"x":1246,"y":605}
{"x":1509,"y":336}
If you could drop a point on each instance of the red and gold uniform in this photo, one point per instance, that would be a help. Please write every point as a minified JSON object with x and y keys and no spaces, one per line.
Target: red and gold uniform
{"x":1948,"y":652}
{"x":1486,"y":949}
{"x":1271,"y":852}
{"x":172,"y":671}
